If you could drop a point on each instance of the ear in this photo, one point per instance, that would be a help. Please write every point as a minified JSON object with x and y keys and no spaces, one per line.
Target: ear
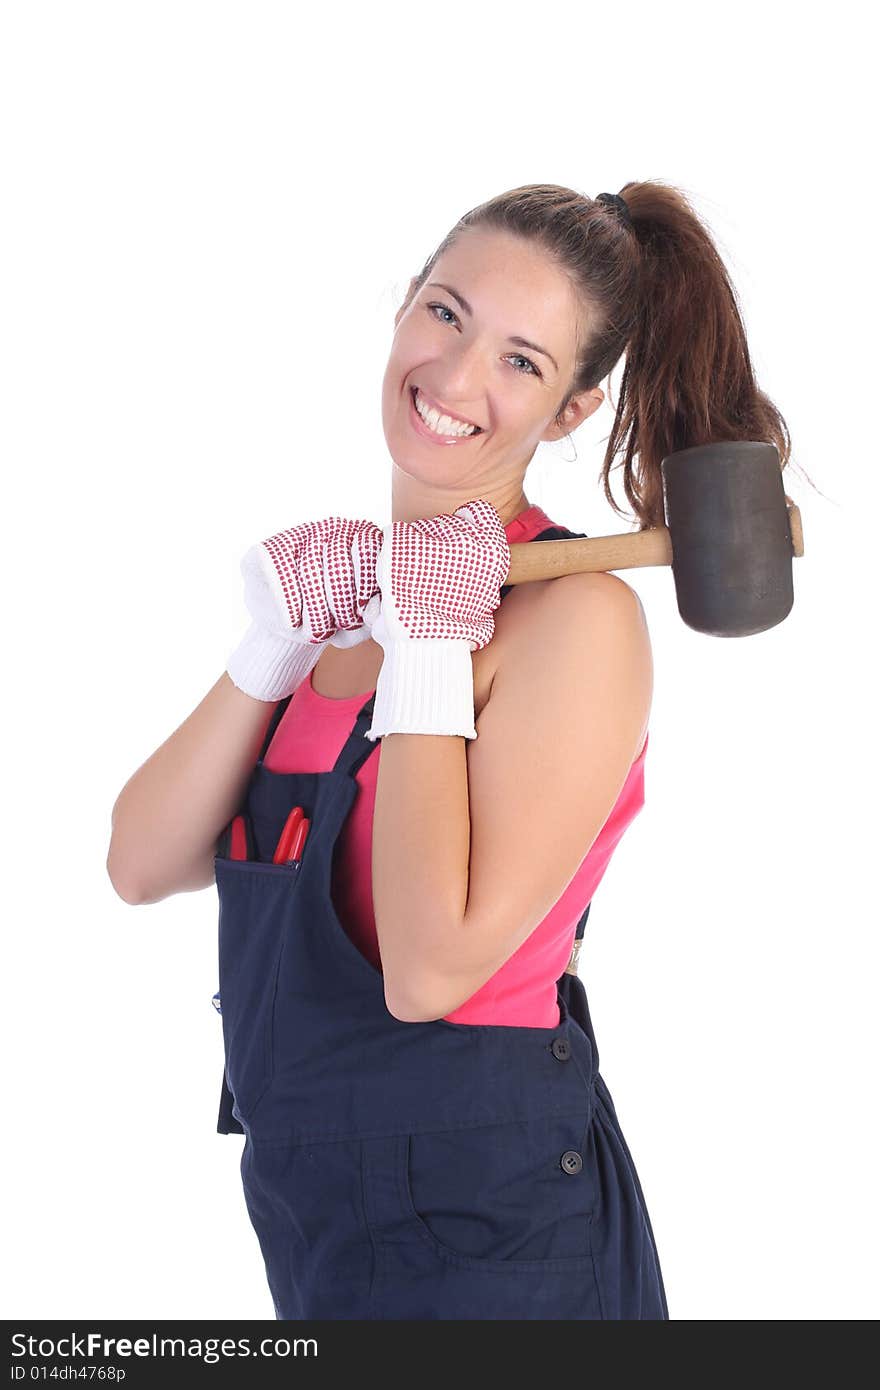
{"x":579,"y":408}
{"x":406,"y":303}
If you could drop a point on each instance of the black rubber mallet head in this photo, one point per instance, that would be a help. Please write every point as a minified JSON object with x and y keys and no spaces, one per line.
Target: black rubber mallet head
{"x":730,"y":539}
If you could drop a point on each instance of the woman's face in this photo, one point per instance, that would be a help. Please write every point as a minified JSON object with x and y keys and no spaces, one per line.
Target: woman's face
{"x":468,"y":362}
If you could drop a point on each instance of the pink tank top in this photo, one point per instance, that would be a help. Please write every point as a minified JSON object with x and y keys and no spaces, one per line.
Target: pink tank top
{"x":522,"y":993}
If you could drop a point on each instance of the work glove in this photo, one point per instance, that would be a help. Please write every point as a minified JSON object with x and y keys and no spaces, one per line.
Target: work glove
{"x":439,"y":582}
{"x":304,"y":587}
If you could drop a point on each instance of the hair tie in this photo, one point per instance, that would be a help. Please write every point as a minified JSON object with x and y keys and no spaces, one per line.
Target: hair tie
{"x":614,"y":200}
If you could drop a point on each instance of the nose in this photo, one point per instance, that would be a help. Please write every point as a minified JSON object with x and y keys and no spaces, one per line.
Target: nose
{"x":460,"y":381}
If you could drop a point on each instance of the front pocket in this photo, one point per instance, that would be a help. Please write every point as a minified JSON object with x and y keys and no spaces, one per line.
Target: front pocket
{"x":255,"y":909}
{"x":507,"y":1197}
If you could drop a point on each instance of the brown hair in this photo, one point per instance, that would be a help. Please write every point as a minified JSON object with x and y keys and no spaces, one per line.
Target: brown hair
{"x":659,"y":291}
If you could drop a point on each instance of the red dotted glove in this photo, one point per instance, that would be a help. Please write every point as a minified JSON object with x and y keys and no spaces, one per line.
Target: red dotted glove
{"x":440,"y":583}
{"x":304,"y":587}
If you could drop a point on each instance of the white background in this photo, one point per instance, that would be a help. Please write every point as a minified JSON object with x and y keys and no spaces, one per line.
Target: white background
{"x":211,"y":214}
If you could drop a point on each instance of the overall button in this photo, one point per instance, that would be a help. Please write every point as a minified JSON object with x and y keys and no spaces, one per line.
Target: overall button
{"x":571,"y":1161}
{"x":561,"y":1048}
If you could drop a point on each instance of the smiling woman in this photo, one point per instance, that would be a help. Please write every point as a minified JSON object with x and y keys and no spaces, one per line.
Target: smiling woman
{"x":412,"y":1065}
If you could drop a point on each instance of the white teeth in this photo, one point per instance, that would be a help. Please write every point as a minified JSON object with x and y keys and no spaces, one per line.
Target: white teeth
{"x":441,"y":424}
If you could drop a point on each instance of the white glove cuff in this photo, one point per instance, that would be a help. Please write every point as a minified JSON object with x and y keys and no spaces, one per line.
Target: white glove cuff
{"x":270,"y":667}
{"x":425,"y":686}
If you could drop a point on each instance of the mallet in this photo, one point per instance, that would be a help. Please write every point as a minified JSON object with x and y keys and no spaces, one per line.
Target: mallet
{"x":730,"y":539}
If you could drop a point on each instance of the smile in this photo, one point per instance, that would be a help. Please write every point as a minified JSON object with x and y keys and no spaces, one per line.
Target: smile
{"x":441,"y":429}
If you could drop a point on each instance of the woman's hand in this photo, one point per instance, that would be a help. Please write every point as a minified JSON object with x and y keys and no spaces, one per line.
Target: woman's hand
{"x":440,"y":583}
{"x":304,"y":587}
{"x":315,"y":580}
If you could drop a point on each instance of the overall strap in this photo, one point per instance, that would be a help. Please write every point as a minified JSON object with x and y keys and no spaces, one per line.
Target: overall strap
{"x":277,"y":716}
{"x":357,"y":747}
{"x":572,"y":967}
{"x":550,"y":533}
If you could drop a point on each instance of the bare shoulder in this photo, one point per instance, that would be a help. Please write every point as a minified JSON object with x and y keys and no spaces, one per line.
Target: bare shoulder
{"x":602,"y":595}
{"x":576,"y":631}
{"x":583,"y":601}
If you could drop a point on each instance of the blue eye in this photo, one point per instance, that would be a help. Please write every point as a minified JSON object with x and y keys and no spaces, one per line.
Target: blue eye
{"x":444,"y":308}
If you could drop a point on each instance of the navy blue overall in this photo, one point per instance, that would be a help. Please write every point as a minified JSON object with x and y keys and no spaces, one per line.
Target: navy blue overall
{"x":408,"y":1170}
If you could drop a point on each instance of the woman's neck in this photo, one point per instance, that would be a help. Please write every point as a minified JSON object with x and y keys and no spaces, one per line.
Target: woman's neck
{"x":411,"y":501}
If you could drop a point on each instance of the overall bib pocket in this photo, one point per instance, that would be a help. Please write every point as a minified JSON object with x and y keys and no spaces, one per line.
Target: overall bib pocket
{"x":504,"y":1198}
{"x":256,"y":902}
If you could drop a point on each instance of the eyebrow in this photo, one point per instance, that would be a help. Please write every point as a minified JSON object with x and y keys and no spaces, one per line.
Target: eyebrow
{"x":520,"y":342}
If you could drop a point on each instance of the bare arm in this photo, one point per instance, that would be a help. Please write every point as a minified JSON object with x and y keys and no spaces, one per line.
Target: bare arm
{"x":170,"y":813}
{"x":474,"y":842}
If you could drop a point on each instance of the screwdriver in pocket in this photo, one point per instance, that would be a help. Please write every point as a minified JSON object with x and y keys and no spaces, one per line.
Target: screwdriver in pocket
{"x":287,"y":836}
{"x":296,"y":852}
{"x":292,"y":838}
{"x":238,"y":842}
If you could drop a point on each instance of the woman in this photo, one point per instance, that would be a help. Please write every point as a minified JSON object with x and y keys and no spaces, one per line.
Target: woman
{"x":412,"y":1065}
